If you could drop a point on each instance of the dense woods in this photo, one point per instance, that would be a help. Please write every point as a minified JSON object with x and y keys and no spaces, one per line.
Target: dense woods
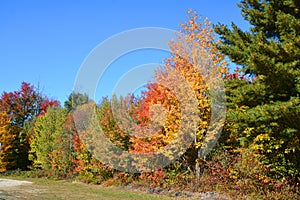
{"x":258,"y":150}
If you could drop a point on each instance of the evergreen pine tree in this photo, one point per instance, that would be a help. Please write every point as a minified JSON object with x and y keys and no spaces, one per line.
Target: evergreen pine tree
{"x":263,"y":97}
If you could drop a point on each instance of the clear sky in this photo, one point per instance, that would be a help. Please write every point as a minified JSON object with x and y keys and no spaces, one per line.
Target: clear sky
{"x":45,"y":42}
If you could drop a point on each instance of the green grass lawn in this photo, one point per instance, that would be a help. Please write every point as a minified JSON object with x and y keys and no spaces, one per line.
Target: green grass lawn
{"x":51,"y":189}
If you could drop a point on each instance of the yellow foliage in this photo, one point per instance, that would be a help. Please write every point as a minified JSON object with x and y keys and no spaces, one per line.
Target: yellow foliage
{"x":194,"y":56}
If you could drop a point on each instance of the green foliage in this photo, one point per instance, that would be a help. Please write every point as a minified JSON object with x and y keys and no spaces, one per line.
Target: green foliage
{"x":85,"y":140}
{"x":107,"y":121}
{"x":87,"y":167}
{"x":264,"y":108}
{"x":51,"y":142}
{"x":22,"y":107}
{"x":75,"y":99}
{"x":258,"y":153}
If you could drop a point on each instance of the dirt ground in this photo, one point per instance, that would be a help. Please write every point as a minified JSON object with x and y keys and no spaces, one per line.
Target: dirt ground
{"x":11,"y":189}
{"x":4,"y":183}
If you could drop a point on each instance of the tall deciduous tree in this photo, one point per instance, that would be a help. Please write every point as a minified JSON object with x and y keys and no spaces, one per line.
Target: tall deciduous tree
{"x":51,"y":143}
{"x":8,"y":133}
{"x":21,"y":106}
{"x":196,"y":59}
{"x":265,"y":109}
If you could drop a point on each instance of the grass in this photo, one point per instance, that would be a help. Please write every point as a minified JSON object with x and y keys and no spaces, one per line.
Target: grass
{"x":51,"y":189}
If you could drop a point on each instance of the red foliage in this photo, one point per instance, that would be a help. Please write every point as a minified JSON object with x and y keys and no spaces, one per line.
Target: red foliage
{"x":237,"y":74}
{"x":24,"y":104}
{"x":155,"y":95}
{"x":48,"y":103}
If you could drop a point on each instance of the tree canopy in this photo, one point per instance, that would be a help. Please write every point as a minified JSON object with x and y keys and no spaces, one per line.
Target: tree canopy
{"x":264,"y":98}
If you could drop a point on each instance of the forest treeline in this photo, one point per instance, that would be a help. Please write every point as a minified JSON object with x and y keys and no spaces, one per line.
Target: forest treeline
{"x":258,"y":151}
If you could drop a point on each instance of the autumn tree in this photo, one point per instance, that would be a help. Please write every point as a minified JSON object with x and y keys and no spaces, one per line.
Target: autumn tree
{"x":8,"y":133}
{"x":264,"y":105}
{"x":84,"y":163}
{"x":107,"y":121}
{"x":22,"y":107}
{"x":195,"y":59}
{"x":51,"y":143}
{"x":86,"y":142}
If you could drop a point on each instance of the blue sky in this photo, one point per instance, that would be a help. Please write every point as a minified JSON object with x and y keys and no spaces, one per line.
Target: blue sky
{"x":45,"y":42}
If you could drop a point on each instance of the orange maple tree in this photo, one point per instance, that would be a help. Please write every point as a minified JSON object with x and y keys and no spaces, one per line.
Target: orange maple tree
{"x":196,"y":59}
